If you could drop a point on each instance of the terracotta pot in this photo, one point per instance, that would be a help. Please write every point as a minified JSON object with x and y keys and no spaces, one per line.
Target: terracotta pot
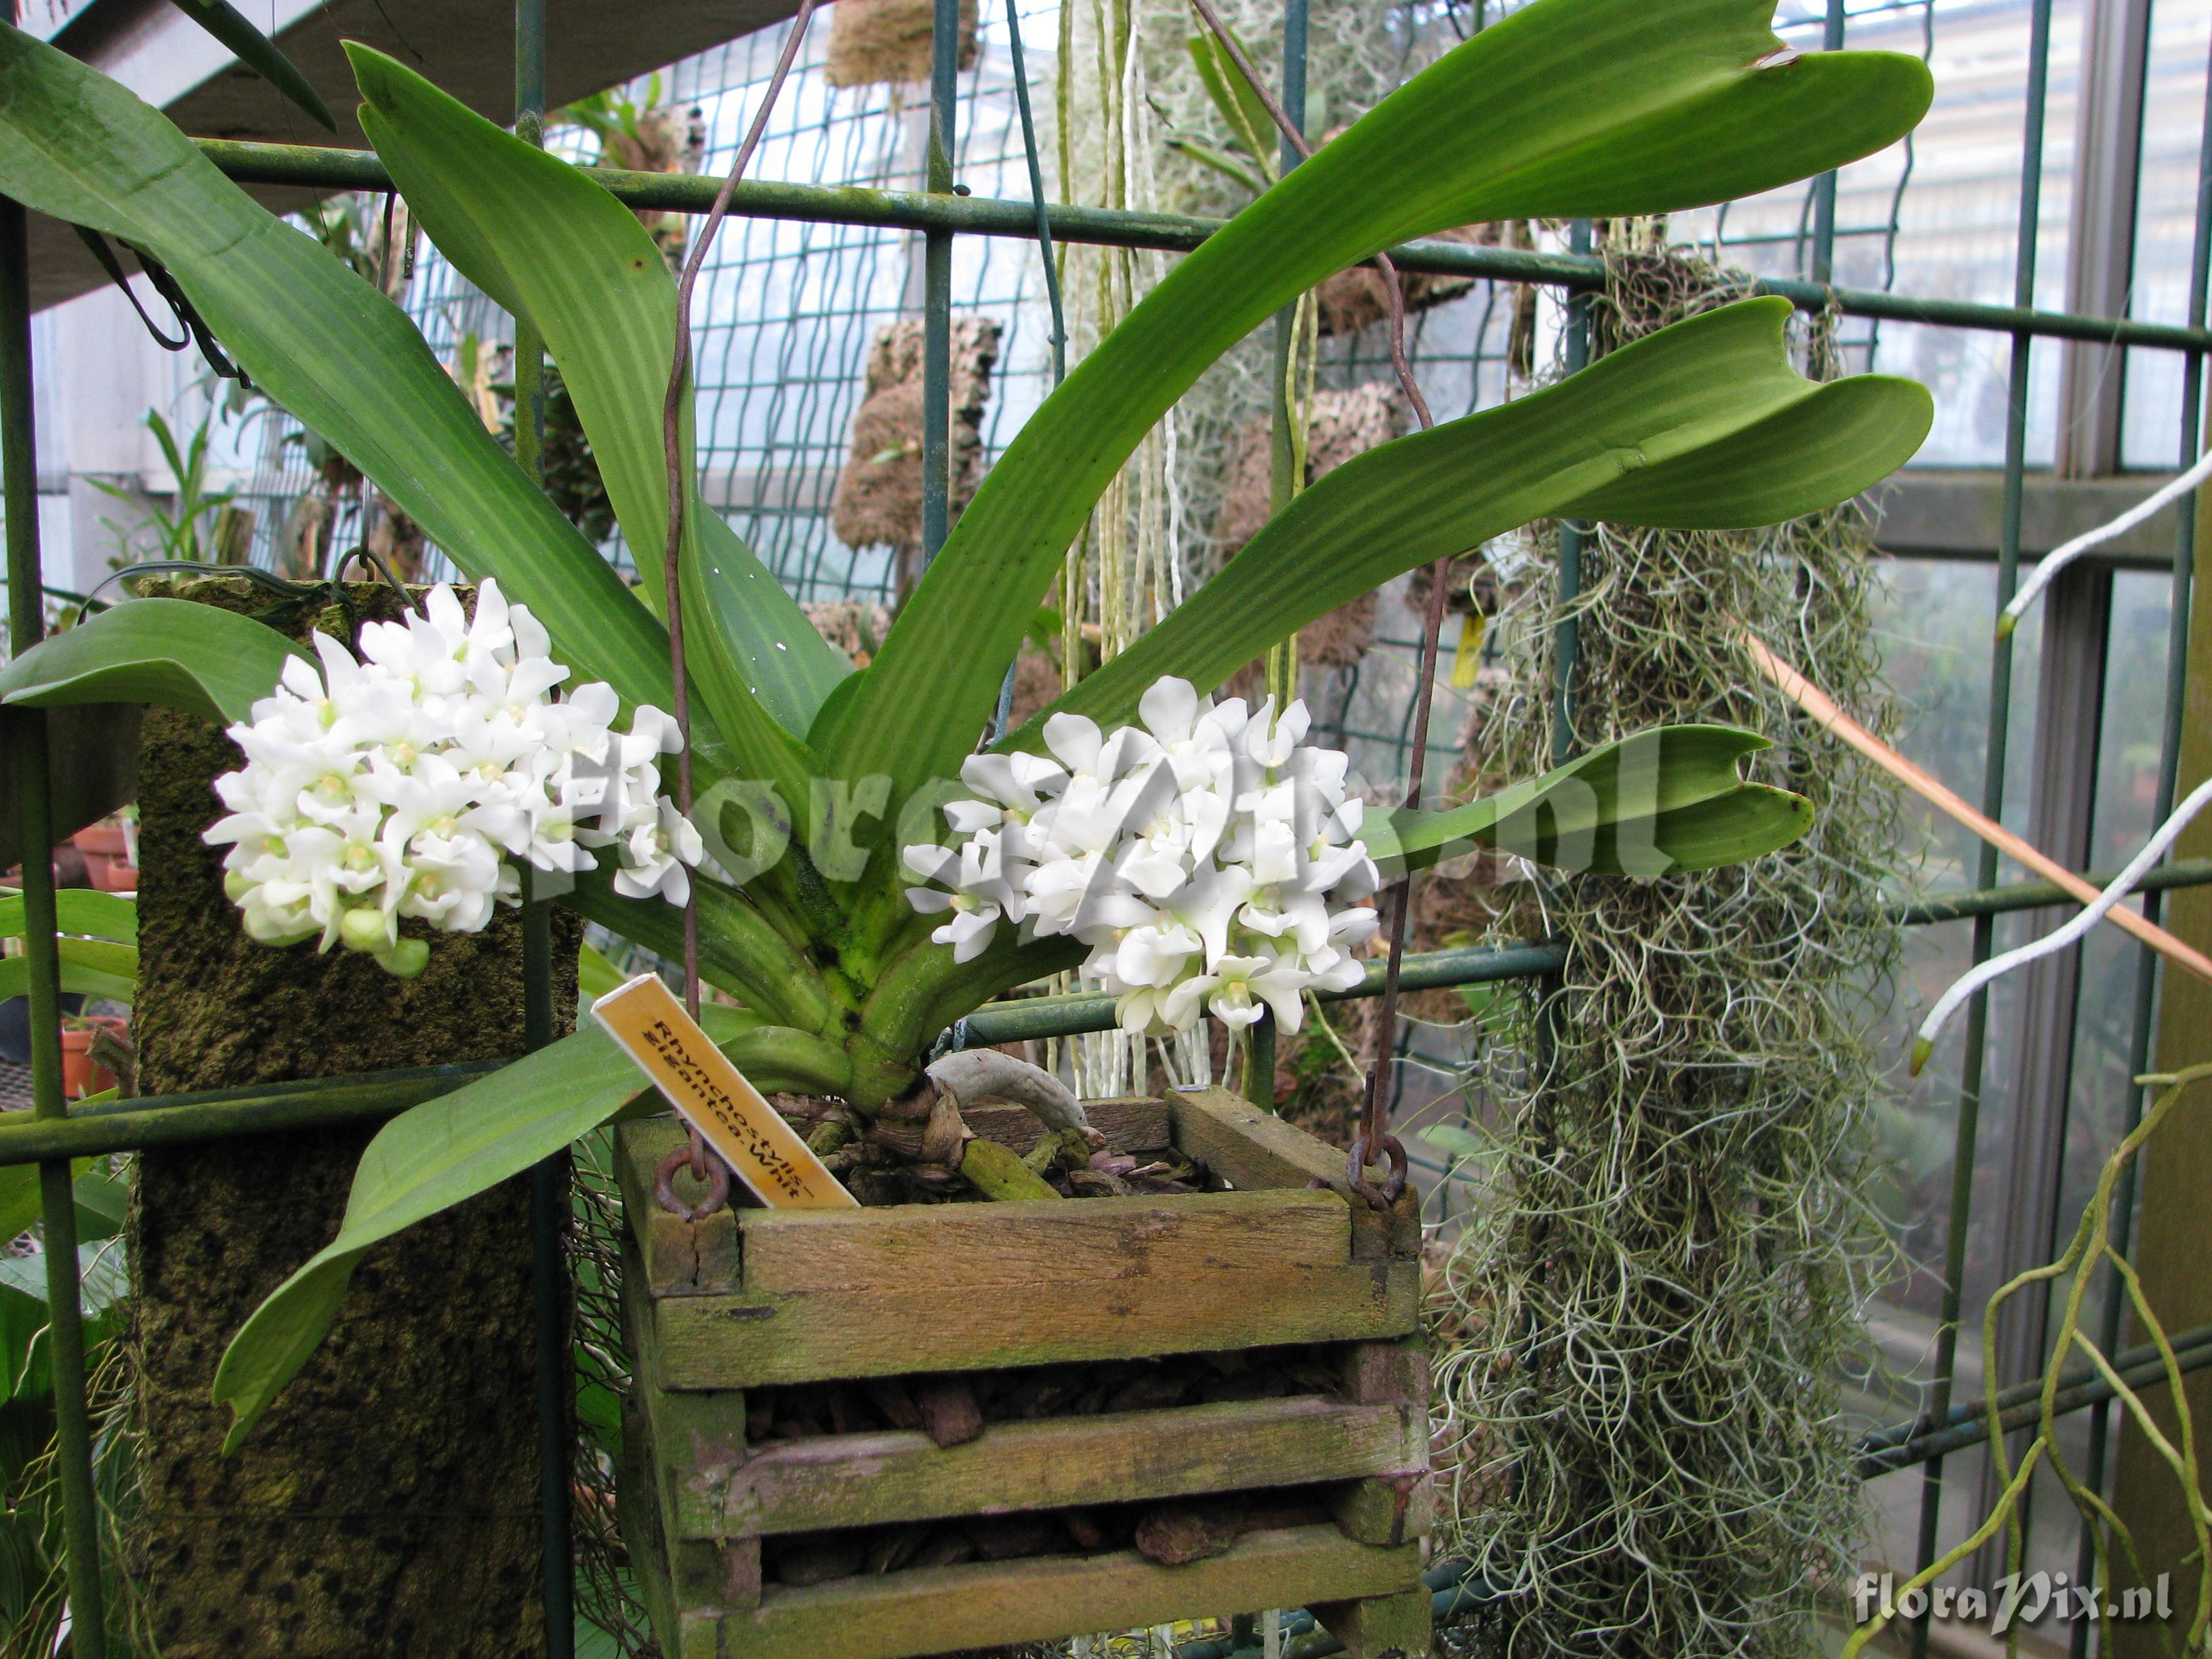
{"x":101,"y":838}
{"x":111,"y":874}
{"x":80,"y":1074}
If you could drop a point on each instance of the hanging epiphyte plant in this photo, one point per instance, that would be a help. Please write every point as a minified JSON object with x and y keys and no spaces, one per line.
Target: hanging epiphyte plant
{"x":811,"y":776}
{"x":1643,"y":1324}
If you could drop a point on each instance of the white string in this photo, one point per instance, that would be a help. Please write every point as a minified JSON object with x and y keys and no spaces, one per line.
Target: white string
{"x":2051,"y":943}
{"x":2063,"y":555}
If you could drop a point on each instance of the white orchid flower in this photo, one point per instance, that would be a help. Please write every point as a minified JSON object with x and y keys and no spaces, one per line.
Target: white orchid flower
{"x":1209,"y":861}
{"x":406,"y":780}
{"x":658,"y":854}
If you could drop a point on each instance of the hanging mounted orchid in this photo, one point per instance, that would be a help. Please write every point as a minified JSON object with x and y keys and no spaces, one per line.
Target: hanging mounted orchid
{"x":1226,"y":873}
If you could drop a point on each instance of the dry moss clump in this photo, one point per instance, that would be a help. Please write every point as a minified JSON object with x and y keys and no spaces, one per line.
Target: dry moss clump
{"x":880,"y":42}
{"x":877,"y":501}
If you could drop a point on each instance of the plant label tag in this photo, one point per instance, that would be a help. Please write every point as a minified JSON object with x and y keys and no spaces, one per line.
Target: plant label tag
{"x":645,"y":1019}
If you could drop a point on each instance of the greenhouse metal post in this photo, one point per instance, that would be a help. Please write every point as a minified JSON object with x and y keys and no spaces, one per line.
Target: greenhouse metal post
{"x":1993,"y":777}
{"x":41,"y":943}
{"x":549,"y":1181}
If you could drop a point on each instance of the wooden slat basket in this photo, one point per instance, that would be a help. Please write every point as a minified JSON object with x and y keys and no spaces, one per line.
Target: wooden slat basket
{"x":1330,"y":1473}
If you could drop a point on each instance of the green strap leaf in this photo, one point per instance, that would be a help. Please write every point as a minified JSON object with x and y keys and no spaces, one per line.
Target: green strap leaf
{"x":1665,"y":800}
{"x":324,"y":343}
{"x":739,"y":948}
{"x":197,"y":658}
{"x":19,"y":1205}
{"x":1703,"y":425}
{"x":1238,"y":100}
{"x":1566,"y":107}
{"x":96,"y":967}
{"x":428,"y":1158}
{"x":547,"y":242}
{"x":79,"y":910}
{"x":258,"y":53}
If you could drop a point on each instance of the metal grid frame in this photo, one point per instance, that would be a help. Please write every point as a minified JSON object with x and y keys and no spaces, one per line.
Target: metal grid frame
{"x":54,"y":1135}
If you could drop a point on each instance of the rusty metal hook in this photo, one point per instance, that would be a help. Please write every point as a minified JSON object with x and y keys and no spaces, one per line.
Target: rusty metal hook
{"x":1355,"y":1171}
{"x":716,"y":1176}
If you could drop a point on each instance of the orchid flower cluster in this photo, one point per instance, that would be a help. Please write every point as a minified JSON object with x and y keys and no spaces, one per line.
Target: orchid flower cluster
{"x":1209,"y":858}
{"x":408,"y":783}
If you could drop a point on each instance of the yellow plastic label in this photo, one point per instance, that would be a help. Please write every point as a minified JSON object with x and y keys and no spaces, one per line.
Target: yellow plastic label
{"x":713,"y":1096}
{"x":1466,"y":661}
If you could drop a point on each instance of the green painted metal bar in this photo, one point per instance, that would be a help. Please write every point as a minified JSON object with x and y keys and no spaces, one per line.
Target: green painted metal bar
{"x":551,"y":1291}
{"x":1093,"y":1010}
{"x":936,"y":284}
{"x":2023,"y":1404}
{"x":1824,"y":187}
{"x":2037,"y":895}
{"x":972,"y":216}
{"x":34,"y":827}
{"x":1968,"y":1129}
{"x":1882,"y":1442}
{"x":2143,"y":1028}
{"x":185,"y":1120}
{"x":1566,"y":637}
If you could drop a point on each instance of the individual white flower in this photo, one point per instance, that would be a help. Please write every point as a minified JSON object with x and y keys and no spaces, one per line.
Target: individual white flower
{"x":1238,"y":991}
{"x":657,"y":855}
{"x":974,"y":920}
{"x":405,"y":783}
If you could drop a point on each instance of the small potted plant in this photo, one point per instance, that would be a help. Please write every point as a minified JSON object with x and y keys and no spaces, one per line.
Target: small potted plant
{"x":94,"y":1047}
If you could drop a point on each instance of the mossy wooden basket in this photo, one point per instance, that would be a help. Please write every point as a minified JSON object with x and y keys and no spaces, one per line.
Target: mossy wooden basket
{"x":758,"y":1299}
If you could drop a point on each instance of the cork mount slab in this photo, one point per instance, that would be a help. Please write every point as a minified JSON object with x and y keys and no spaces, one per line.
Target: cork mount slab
{"x":887,"y":1432}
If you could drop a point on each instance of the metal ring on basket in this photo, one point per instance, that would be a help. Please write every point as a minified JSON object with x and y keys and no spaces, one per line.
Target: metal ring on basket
{"x":1355,"y":1171}
{"x":718,"y":1186}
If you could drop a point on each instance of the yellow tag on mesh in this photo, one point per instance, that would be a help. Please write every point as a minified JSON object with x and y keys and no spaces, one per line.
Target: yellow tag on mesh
{"x":713,"y":1096}
{"x":1466,"y":661}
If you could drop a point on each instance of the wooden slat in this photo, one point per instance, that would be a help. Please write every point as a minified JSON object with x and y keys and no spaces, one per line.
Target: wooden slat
{"x":1255,"y":1150}
{"x":1385,"y":1625}
{"x":681,"y":1446}
{"x":865,"y":1480}
{"x":717,"y":1343}
{"x":956,"y":1249}
{"x":677,"y":1257}
{"x":945,"y":1609}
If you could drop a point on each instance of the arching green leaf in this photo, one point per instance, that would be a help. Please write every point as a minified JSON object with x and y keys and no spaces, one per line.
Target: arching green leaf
{"x":547,"y":242}
{"x":428,"y":1158}
{"x":1704,"y":425}
{"x":436,"y":1155}
{"x":198,"y":658}
{"x":1566,"y":107}
{"x":97,"y":968}
{"x":323,"y":343}
{"x":79,"y":910}
{"x":258,"y":53}
{"x":1663,"y":801}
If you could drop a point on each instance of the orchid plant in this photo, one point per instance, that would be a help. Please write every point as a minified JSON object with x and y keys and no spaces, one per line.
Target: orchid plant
{"x":814,"y":778}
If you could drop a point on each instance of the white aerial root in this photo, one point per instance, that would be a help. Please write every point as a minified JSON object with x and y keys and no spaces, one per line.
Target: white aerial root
{"x":2065,"y":554}
{"x":2051,"y":943}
